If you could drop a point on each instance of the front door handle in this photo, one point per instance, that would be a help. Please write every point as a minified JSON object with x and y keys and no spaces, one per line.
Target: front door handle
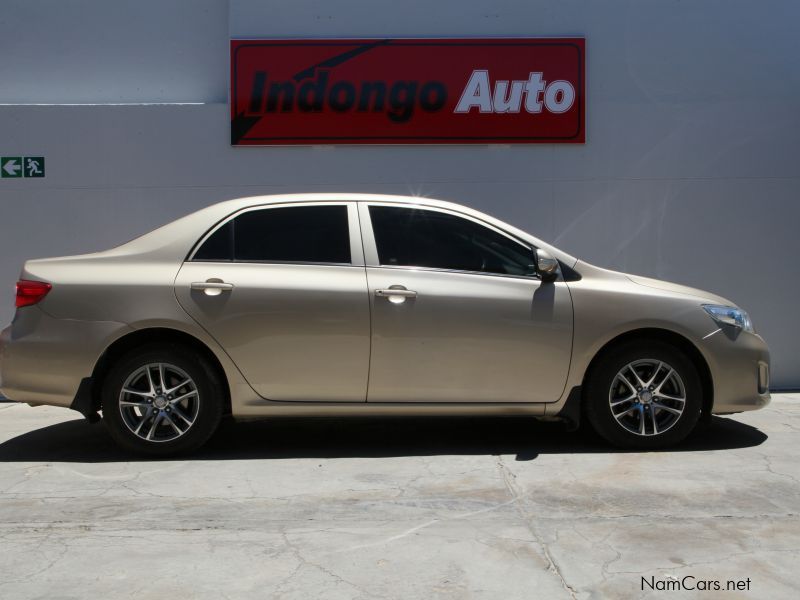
{"x":396,"y":294}
{"x":212,"y":287}
{"x":390,"y":292}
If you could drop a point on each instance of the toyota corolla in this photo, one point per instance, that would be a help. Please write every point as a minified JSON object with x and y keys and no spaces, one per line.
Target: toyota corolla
{"x":346,"y":304}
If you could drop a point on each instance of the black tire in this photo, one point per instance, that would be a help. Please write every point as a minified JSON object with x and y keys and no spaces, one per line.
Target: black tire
{"x":205,"y":382}
{"x":598,"y":393}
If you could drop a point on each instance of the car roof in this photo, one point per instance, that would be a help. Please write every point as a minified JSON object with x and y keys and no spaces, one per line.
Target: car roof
{"x":250,"y":201}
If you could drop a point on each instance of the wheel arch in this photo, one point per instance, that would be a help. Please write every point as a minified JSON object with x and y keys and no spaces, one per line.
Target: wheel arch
{"x":151,"y":335}
{"x":674,"y":339}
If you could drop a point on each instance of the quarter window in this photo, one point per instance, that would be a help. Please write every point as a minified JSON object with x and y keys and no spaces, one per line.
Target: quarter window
{"x":425,"y":238}
{"x":219,"y":246}
{"x":314,"y":234}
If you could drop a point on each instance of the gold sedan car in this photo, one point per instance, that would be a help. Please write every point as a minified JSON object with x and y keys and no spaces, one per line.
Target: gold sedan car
{"x":347,"y":304}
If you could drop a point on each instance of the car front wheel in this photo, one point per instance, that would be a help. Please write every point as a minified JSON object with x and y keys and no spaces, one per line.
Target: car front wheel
{"x":161,"y":400}
{"x":645,"y":394}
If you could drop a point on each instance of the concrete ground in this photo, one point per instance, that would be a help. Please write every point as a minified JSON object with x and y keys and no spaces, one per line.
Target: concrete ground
{"x":437,"y":508}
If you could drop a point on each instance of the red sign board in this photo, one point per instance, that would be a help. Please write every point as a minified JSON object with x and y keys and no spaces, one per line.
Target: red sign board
{"x":408,"y":91}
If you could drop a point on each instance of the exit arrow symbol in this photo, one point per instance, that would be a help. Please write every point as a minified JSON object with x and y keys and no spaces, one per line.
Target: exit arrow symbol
{"x":11,"y":167}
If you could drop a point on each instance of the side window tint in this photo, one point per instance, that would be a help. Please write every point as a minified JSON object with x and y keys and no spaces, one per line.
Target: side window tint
{"x":425,"y":238}
{"x":293,"y":234}
{"x":316,"y":234}
{"x":219,"y":246}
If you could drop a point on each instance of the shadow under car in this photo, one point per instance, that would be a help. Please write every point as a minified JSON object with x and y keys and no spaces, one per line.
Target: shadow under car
{"x":366,"y":437}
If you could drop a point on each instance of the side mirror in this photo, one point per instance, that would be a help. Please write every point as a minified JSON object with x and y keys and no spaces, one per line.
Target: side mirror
{"x":546,"y":265}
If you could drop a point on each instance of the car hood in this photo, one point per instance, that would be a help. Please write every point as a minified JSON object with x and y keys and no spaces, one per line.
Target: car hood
{"x":679,"y":289}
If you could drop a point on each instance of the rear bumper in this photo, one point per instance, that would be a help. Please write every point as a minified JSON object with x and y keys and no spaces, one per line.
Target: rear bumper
{"x":43,"y":359}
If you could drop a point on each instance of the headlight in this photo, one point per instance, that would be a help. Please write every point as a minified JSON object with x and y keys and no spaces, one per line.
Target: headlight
{"x":729,"y":315}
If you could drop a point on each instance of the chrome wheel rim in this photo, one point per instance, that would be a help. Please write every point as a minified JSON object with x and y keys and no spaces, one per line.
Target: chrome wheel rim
{"x":159,"y":402}
{"x":647,"y":397}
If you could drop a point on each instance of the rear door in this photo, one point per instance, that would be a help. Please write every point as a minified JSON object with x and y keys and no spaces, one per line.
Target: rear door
{"x":458,"y":314}
{"x":282,"y":288}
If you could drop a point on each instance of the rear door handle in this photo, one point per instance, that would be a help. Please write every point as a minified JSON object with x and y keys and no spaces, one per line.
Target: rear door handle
{"x":212,"y":287}
{"x":396,"y":294}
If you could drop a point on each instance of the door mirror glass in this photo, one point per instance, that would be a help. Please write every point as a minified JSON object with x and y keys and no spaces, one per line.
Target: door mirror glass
{"x":546,"y":265}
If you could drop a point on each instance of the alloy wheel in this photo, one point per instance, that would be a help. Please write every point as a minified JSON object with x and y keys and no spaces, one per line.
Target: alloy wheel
{"x":647,"y":397}
{"x":159,"y":402}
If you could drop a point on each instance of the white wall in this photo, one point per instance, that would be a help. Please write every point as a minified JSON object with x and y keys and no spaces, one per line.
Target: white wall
{"x":689,"y":172}
{"x":98,"y":51}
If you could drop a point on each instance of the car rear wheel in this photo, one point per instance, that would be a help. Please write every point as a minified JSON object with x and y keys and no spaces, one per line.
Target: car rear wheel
{"x":644,"y":394}
{"x":161,"y":400}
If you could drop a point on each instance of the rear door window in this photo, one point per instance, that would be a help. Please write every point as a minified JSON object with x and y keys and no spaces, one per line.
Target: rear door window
{"x":294,"y":234}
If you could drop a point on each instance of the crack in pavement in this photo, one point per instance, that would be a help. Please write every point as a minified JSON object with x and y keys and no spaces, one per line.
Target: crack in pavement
{"x":519,"y":498}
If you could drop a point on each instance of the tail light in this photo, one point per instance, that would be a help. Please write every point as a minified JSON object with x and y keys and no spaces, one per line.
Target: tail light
{"x":31,"y":292}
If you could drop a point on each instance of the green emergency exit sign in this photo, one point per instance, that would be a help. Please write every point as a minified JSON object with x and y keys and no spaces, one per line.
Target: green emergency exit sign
{"x":21,"y":166}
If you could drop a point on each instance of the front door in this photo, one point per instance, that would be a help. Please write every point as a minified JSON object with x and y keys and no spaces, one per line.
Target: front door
{"x":283,"y":291}
{"x":458,"y":314}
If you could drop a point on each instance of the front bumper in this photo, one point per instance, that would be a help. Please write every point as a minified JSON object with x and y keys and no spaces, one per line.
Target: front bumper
{"x":739,"y":365}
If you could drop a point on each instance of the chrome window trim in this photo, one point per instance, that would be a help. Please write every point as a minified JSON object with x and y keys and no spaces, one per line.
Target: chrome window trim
{"x":275,"y":262}
{"x":458,"y":272}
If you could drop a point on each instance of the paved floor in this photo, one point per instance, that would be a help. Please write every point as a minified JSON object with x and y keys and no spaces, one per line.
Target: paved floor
{"x":405,"y":509}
